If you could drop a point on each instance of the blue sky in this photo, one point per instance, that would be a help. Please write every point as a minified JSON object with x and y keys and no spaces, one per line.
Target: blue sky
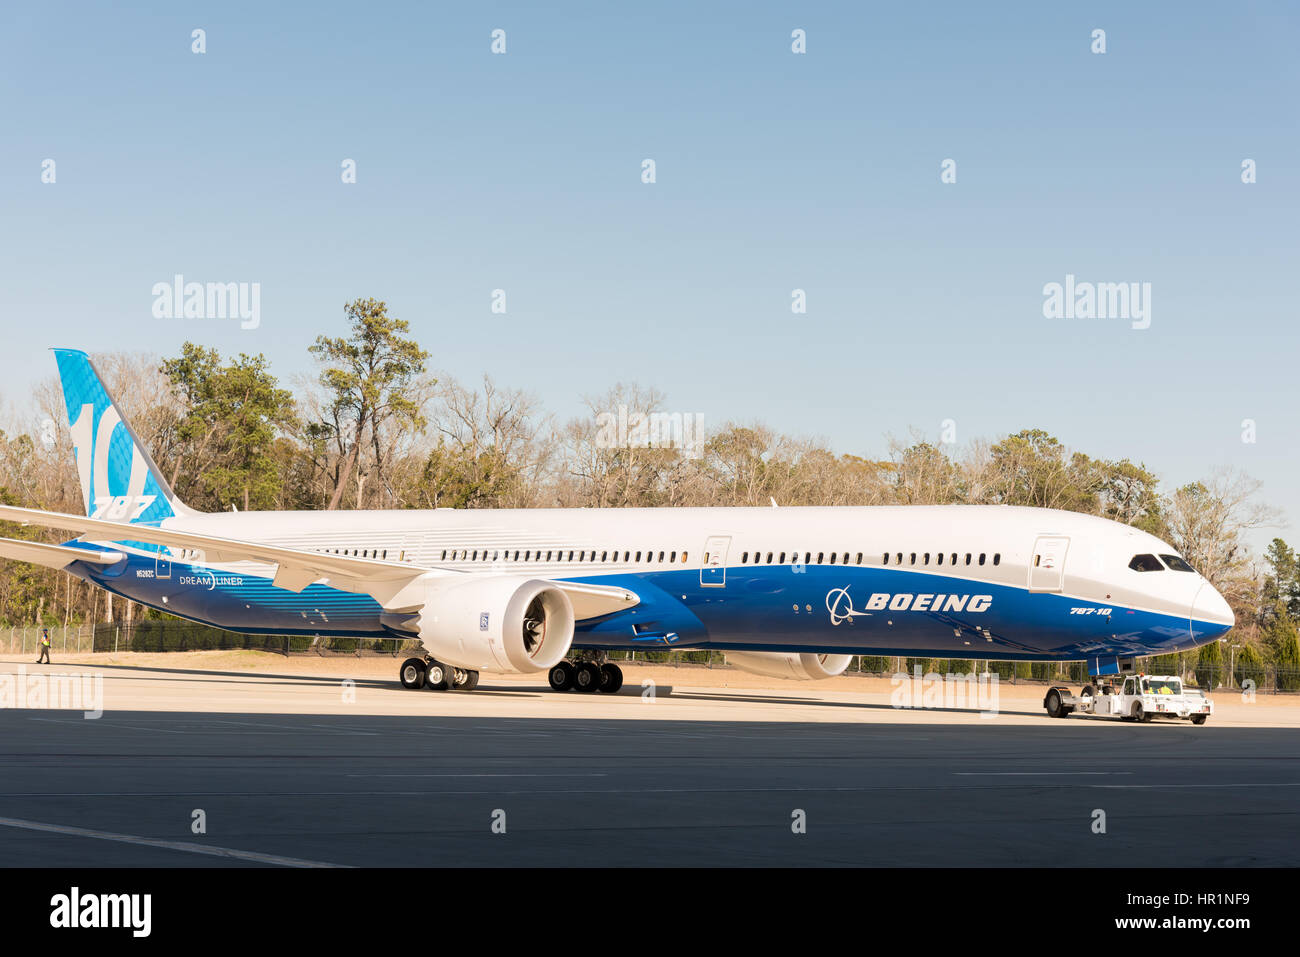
{"x":775,"y":171}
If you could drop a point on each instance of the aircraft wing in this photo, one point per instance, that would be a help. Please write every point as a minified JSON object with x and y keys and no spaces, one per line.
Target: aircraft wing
{"x":295,"y":568}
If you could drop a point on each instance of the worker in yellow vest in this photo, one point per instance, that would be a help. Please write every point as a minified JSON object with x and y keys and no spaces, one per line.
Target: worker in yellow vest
{"x":45,"y":646}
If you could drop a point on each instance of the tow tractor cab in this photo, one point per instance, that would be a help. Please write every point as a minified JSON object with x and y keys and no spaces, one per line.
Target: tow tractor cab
{"x":1135,"y":697}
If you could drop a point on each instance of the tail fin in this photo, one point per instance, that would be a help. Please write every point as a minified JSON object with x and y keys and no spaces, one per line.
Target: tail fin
{"x":119,"y":480}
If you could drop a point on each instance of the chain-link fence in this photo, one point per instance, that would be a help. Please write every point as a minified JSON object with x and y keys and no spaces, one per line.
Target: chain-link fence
{"x":23,"y":641}
{"x":164,"y":635}
{"x":150,"y":635}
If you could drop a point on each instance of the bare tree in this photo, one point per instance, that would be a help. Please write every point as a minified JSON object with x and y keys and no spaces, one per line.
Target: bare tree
{"x":1207,"y":521}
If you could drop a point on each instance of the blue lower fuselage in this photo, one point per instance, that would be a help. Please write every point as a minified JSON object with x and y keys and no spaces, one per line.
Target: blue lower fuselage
{"x":812,"y":608}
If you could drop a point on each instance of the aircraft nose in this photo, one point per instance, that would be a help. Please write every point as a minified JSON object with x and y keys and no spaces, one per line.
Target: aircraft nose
{"x":1210,"y":607}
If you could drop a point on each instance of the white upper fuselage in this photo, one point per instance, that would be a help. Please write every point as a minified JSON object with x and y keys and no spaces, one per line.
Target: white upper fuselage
{"x":990,"y":545}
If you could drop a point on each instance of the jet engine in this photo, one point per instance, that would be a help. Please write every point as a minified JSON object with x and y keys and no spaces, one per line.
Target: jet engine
{"x":781,"y":664}
{"x":504,"y":625}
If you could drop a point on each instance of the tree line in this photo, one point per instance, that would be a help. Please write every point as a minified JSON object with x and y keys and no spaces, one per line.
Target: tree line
{"x":376,"y":428}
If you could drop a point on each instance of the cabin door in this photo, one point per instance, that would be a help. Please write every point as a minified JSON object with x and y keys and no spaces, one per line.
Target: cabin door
{"x":1047,"y":564}
{"x":713,"y":563}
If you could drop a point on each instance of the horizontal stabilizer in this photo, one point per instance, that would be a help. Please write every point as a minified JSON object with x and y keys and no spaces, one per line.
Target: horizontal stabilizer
{"x":55,"y":556}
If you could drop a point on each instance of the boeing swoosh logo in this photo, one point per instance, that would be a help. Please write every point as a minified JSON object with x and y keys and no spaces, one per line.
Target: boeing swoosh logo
{"x":840,"y":605}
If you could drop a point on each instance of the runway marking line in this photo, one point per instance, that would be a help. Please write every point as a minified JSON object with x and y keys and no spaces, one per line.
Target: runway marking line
{"x":1054,"y":774}
{"x":486,"y":774}
{"x":211,"y":850}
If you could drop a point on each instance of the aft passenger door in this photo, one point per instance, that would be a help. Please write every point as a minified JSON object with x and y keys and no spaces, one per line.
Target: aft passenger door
{"x":1047,"y":564}
{"x":713,"y":564}
{"x":162,"y":566}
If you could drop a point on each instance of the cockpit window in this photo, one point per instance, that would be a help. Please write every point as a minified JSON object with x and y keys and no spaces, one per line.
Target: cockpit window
{"x":1177,"y":564}
{"x":1146,"y":563}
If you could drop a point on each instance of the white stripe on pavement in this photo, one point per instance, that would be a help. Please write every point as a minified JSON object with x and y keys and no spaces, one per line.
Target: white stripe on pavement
{"x":187,"y":846}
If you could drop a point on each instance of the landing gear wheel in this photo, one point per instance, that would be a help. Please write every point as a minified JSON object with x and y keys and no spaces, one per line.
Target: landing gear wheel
{"x":586,"y":676}
{"x":611,"y":678}
{"x":561,"y":676}
{"x":412,"y":673}
{"x":470,"y":682}
{"x":1199,"y":718}
{"x":437,"y":676}
{"x":1140,"y":713}
{"x":1055,"y":709}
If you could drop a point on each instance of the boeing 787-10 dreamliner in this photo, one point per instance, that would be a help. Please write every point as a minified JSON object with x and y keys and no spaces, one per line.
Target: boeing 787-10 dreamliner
{"x":789,"y":592}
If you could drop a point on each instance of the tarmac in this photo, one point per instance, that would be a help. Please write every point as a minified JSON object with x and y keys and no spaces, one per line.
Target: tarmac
{"x":238,"y":759}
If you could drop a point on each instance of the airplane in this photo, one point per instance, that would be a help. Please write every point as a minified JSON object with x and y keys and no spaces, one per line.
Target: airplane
{"x":789,"y":592}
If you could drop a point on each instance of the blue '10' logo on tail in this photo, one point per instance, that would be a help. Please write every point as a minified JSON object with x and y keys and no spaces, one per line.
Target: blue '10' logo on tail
{"x":119,"y":481}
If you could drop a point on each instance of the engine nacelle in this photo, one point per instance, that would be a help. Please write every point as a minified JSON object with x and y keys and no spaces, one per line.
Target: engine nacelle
{"x":503,"y":625}
{"x":789,"y":664}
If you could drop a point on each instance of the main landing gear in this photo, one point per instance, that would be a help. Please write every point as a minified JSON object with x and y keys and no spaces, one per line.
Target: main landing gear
{"x":587,"y":676}
{"x":434,"y":675}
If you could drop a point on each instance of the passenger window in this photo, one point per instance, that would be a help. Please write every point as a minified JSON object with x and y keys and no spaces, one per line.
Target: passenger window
{"x":927,"y":559}
{"x":997,"y":558}
{"x":1146,"y":563}
{"x":981,"y":558}
{"x":744,"y":558}
{"x":885,"y":560}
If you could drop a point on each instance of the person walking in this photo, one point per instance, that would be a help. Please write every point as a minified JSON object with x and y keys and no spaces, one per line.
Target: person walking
{"x":45,"y":647}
